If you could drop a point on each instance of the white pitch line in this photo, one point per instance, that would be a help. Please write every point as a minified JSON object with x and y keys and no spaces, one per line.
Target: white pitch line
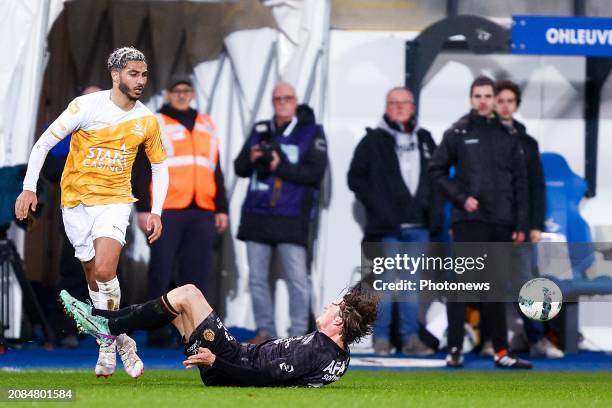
{"x":396,"y":362}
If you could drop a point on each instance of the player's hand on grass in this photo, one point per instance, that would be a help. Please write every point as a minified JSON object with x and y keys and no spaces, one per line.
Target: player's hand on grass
{"x":204,"y":357}
{"x":154,"y":227}
{"x":26,"y":200}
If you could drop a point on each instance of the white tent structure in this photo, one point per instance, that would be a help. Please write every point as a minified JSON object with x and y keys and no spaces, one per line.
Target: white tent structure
{"x":235,"y":89}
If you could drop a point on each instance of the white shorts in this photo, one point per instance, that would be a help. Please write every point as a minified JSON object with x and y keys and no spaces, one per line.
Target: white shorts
{"x":83,"y":224}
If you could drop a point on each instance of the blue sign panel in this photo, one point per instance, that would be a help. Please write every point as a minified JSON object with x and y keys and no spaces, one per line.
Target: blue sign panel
{"x":562,"y":36}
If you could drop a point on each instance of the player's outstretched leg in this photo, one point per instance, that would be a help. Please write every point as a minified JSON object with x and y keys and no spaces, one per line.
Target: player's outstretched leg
{"x":186,"y":301}
{"x":81,"y":313}
{"x":107,"y":325}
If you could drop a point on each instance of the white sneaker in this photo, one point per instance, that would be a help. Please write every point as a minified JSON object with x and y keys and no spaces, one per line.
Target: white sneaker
{"x":107,"y":360}
{"x":544,"y":348}
{"x":487,"y":349}
{"x":127,"y":350}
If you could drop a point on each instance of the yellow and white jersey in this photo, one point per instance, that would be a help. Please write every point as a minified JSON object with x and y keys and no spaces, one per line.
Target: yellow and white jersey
{"x":104,"y":144}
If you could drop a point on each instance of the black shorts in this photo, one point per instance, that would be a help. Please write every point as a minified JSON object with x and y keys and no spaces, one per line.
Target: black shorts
{"x":213,"y":335}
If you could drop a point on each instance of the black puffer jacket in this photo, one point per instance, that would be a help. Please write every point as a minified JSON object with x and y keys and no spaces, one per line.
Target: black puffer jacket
{"x":489,"y":166}
{"x":375,"y":178}
{"x":535,"y":177}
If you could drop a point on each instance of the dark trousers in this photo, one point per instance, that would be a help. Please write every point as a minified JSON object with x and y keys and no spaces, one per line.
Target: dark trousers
{"x":493,"y":314}
{"x":186,"y":243}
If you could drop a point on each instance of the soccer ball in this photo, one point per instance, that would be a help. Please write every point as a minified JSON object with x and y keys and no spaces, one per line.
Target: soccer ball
{"x":540,"y":299}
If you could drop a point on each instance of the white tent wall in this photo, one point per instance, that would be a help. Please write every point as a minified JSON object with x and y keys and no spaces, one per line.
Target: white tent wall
{"x":236,"y":89}
{"x":23,"y":28}
{"x":362,"y":67}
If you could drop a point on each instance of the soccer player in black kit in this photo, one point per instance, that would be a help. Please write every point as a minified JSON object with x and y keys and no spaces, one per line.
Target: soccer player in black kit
{"x":312,"y":360}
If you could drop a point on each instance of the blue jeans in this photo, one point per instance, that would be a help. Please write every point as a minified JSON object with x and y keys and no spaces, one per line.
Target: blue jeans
{"x":293,"y":261}
{"x":408,"y":308}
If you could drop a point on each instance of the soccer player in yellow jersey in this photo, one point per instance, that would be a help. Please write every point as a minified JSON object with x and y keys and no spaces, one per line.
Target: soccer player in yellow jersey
{"x":107,"y":127}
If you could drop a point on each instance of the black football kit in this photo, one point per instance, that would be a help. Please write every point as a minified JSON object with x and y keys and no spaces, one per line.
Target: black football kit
{"x":312,"y":360}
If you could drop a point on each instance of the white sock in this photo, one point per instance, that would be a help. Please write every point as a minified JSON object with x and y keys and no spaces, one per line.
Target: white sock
{"x":97,"y":300}
{"x":110,"y":292}
{"x":110,"y":297}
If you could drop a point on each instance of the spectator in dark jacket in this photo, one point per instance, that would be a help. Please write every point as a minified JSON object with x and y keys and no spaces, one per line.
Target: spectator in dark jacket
{"x":285,"y":159}
{"x":507,"y":102}
{"x":388,"y":174}
{"x":489,"y":193}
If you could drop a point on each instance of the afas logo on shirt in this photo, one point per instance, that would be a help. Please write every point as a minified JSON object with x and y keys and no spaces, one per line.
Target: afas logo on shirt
{"x":334,"y":370}
{"x":107,"y":159}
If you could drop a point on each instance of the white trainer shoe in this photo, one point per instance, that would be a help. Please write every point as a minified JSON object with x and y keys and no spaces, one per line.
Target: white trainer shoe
{"x":487,"y":349}
{"x":544,"y":348}
{"x":107,"y":360}
{"x":126,"y":346}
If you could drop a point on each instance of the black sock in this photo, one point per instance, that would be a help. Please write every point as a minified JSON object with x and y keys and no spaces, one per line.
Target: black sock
{"x":151,"y":315}
{"x":114,"y":313}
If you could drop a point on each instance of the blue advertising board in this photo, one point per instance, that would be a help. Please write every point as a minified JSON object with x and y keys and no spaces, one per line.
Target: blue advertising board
{"x":588,"y":36}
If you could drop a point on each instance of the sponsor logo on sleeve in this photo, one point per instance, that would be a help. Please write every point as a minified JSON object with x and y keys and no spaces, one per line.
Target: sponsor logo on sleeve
{"x":74,"y":107}
{"x":286,"y":368}
{"x":208,"y":335}
{"x":193,"y":349}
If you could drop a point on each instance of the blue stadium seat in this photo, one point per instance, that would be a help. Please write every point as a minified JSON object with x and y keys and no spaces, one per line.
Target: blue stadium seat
{"x":564,"y":190}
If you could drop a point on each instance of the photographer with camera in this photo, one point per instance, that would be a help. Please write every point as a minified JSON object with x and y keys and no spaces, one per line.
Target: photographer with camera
{"x":285,"y":158}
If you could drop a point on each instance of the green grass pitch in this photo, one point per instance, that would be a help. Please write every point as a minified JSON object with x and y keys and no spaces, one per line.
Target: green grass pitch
{"x":375,"y":389}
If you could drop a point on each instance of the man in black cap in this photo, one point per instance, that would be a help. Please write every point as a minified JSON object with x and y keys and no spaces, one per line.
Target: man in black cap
{"x":195,"y":209}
